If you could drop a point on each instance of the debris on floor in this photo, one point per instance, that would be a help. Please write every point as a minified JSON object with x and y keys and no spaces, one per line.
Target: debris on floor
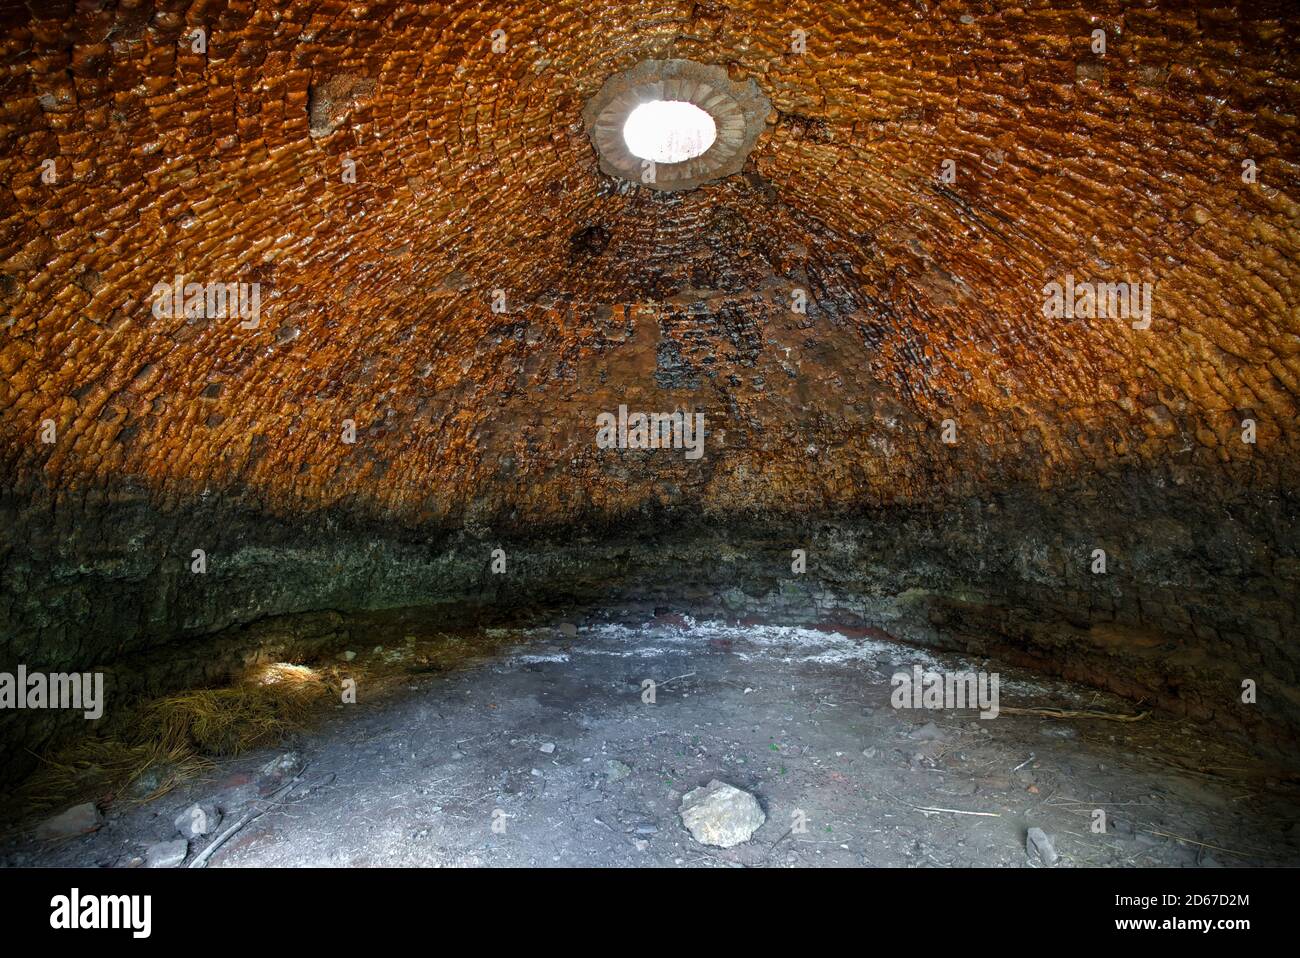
{"x":774,"y":747}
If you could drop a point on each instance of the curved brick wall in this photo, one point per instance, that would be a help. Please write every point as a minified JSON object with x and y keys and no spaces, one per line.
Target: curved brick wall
{"x":387,"y":177}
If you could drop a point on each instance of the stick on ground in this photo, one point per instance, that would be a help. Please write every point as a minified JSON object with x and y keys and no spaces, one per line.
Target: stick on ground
{"x":201,"y":859}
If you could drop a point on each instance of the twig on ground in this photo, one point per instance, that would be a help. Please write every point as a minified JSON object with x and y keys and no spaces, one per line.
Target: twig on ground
{"x":788,"y":832}
{"x":1190,"y":841}
{"x":675,"y":678}
{"x":951,"y":811}
{"x":1075,"y":713}
{"x":1072,"y":801}
{"x":270,"y":802}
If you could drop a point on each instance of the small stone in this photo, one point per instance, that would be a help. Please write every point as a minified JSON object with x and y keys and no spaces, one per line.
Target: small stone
{"x":960,"y":789}
{"x":929,"y":732}
{"x":616,"y":771}
{"x":869,"y":752}
{"x":647,"y":829}
{"x":567,"y":629}
{"x":547,"y":748}
{"x":278,"y":772}
{"x":198,"y":819}
{"x":1038,"y":843}
{"x":720,"y":814}
{"x":1058,"y":731}
{"x":77,"y":820}
{"x":641,"y":844}
{"x":348,"y":656}
{"x":166,"y":854}
{"x":149,"y":781}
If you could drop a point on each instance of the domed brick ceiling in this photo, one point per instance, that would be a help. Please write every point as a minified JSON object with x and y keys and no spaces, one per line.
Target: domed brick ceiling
{"x":447,"y":276}
{"x":474,"y":174}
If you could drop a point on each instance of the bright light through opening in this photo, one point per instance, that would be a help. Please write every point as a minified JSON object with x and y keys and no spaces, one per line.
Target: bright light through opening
{"x":669,"y":131}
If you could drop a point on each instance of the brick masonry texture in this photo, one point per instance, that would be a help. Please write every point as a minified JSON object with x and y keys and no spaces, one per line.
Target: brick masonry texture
{"x":473,"y":174}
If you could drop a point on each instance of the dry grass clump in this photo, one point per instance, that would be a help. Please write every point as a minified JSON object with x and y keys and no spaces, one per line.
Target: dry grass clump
{"x":260,"y":710}
{"x":173,"y":738}
{"x":98,"y":766}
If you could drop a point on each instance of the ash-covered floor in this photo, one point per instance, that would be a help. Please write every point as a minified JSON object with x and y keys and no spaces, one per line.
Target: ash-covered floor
{"x":542,"y":750}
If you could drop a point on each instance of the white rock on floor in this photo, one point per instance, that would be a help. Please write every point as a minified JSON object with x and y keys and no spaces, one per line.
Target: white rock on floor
{"x":166,"y":854}
{"x":720,"y":814}
{"x":76,"y":820}
{"x":198,"y":819}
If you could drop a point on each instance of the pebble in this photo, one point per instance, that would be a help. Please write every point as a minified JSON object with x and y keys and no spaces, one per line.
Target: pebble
{"x":1038,"y":843}
{"x":198,"y":819}
{"x":1058,"y":731}
{"x":929,"y":732}
{"x":166,"y":854}
{"x":278,"y":772}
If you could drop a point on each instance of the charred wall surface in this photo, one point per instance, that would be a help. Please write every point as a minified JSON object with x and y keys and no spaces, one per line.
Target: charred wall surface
{"x":1198,"y":592}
